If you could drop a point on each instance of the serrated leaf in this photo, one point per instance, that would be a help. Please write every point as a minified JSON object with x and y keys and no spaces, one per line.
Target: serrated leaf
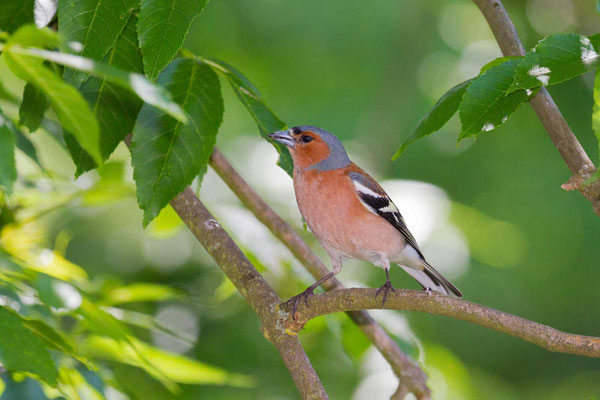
{"x":172,"y":366}
{"x":167,"y":154}
{"x":596,"y":109}
{"x":555,"y":59}
{"x":15,"y":13}
{"x":22,"y":351}
{"x":265,"y":119}
{"x":162,"y":28}
{"x":95,"y":24}
{"x":115,"y":107}
{"x":70,"y":107}
{"x":44,"y":11}
{"x":485,"y":104}
{"x":441,"y":112}
{"x":32,"y":107}
{"x":8,"y":169}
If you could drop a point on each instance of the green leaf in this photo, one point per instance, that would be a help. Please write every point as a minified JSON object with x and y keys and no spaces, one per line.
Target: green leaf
{"x":8,"y":169}
{"x":485,"y":104}
{"x":95,"y":24}
{"x":265,"y":119}
{"x":162,"y":27}
{"x":441,"y":112}
{"x":143,"y":88}
{"x":140,"y":292}
{"x":555,"y":59}
{"x":26,"y":146}
{"x":172,"y":366}
{"x":115,"y":108}
{"x":32,"y":107}
{"x":15,"y":13}
{"x":167,"y":154}
{"x":70,"y":107}
{"x":22,"y":351}
{"x":596,"y":110}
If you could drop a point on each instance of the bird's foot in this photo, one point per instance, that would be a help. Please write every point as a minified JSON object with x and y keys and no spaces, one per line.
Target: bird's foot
{"x":428,"y":290}
{"x":296,"y":299}
{"x":385,"y":288}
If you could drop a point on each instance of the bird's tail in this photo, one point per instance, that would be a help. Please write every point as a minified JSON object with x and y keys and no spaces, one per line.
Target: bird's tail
{"x":430,"y":278}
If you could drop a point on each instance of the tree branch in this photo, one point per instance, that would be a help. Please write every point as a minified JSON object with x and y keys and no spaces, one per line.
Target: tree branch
{"x":412,"y":378}
{"x":433,"y":303}
{"x":252,"y":286}
{"x":548,"y":113}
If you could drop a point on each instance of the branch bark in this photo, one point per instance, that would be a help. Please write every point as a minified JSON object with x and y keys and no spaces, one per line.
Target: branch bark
{"x":412,"y":378}
{"x":432,"y":303}
{"x":252,"y":286}
{"x":548,"y":113}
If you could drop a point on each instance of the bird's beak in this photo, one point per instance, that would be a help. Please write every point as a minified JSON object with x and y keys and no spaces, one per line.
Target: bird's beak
{"x":283,"y":137}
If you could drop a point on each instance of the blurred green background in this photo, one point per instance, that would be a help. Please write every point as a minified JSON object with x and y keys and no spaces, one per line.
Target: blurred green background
{"x":489,"y":214}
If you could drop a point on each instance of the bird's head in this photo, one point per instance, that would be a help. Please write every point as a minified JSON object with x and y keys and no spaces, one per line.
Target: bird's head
{"x":313,"y":148}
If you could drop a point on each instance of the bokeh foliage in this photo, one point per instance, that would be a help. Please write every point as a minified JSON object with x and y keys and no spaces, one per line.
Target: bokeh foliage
{"x":107,"y":302}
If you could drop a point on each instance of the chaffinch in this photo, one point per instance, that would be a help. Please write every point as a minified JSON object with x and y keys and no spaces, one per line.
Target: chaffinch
{"x":350,"y":214}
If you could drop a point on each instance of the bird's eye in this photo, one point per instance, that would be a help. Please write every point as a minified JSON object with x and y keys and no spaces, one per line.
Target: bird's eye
{"x":306,"y":138}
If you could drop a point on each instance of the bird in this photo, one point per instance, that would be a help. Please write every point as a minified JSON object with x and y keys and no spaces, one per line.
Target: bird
{"x":350,"y":214}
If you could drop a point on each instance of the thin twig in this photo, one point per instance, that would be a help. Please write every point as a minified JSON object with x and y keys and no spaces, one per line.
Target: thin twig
{"x":412,"y":300}
{"x":561,"y":134}
{"x":412,"y":378}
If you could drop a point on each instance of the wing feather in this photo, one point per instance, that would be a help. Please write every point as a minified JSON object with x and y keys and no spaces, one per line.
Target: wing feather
{"x":374,"y":198}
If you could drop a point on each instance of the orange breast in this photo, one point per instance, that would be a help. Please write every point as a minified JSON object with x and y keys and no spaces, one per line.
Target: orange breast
{"x":339,"y":220}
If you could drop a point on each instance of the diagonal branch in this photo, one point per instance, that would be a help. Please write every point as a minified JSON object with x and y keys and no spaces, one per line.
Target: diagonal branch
{"x":252,"y":286}
{"x":411,"y":376}
{"x":411,"y":300}
{"x":561,"y":134}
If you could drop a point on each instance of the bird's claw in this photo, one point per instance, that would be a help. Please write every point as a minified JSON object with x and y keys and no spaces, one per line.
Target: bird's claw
{"x":294,"y":300}
{"x":385,"y":288}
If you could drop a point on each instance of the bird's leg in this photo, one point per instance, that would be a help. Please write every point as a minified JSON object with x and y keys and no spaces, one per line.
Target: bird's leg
{"x":337,"y":267}
{"x":386,"y":287}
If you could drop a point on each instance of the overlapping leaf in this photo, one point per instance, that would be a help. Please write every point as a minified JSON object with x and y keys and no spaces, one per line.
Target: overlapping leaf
{"x":70,"y":107}
{"x":115,"y":107}
{"x":485,"y":104}
{"x":162,"y":27}
{"x":167,"y":154}
{"x":95,"y":24}
{"x":22,"y":351}
{"x":32,"y":107}
{"x":8,"y":171}
{"x":26,"y":146}
{"x":15,"y":13}
{"x":441,"y":112}
{"x":556,"y":59}
{"x":265,"y":119}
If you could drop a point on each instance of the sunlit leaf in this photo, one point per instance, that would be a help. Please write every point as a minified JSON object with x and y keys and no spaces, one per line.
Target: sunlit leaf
{"x":115,"y":107}
{"x":32,"y":107}
{"x":8,"y":169}
{"x":139,"y":385}
{"x":173,"y":366}
{"x":485,"y":104}
{"x":21,"y":350}
{"x":166,"y":154}
{"x":140,"y":292}
{"x":555,"y":59}
{"x":94,"y":25}
{"x":441,"y":112}
{"x":162,"y":27}
{"x":44,"y":11}
{"x":70,"y":107}
{"x":74,"y":386}
{"x":265,"y":119}
{"x":166,"y":224}
{"x":15,"y":13}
